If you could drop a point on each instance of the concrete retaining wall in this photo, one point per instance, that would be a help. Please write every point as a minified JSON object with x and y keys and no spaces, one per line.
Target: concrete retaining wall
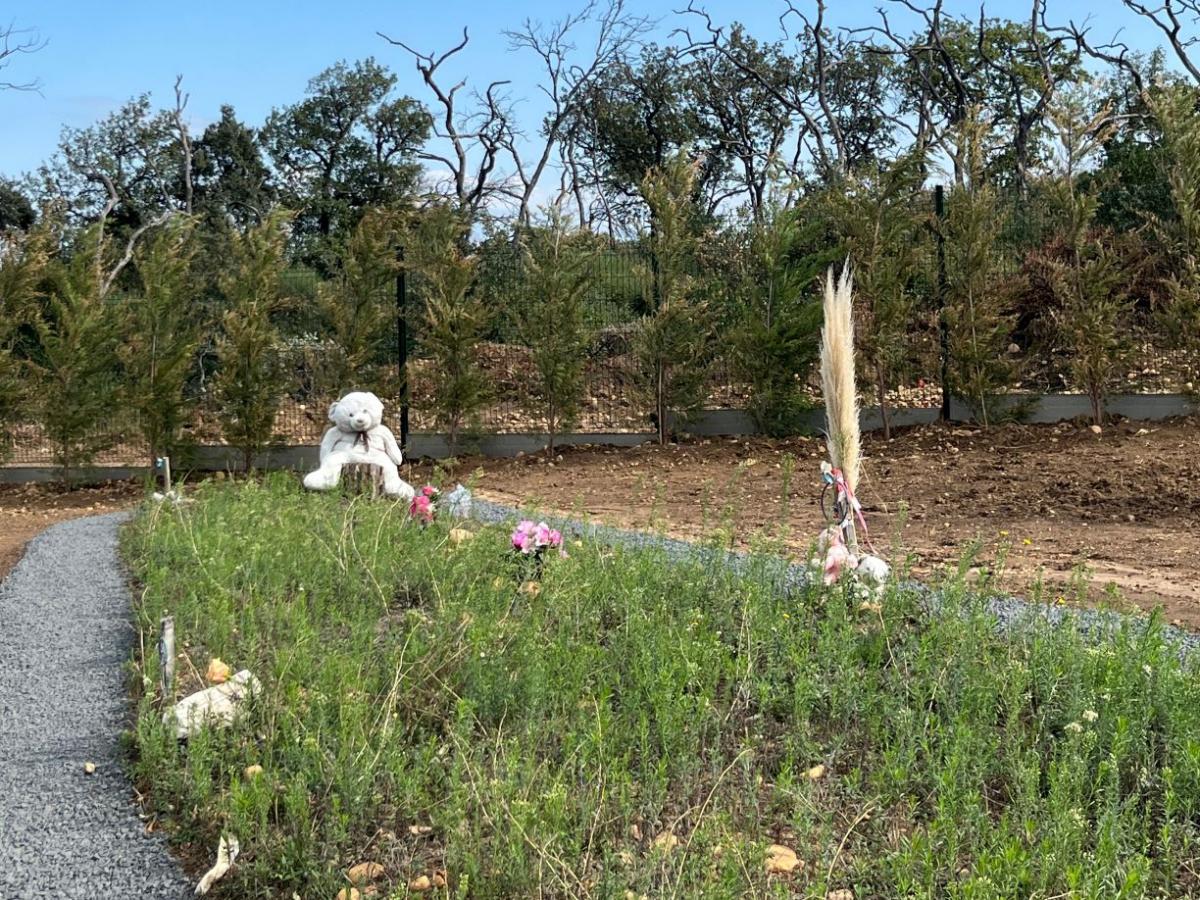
{"x":712,"y":423}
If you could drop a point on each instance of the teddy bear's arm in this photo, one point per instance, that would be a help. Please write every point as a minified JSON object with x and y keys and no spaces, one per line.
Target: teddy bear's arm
{"x":389,"y":445}
{"x":328,"y":441}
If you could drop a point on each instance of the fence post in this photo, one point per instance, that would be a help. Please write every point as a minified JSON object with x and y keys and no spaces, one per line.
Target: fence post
{"x":939,"y":209}
{"x":402,"y":344}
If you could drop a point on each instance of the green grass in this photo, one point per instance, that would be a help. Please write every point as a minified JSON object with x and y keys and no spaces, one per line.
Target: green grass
{"x":546,"y":740}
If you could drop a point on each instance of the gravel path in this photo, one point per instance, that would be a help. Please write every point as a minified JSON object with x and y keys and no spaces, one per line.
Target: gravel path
{"x":64,"y":636}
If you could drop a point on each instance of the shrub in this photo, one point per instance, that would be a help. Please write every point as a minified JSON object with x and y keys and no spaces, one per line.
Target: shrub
{"x":978,"y":319}
{"x":674,"y":338}
{"x":876,"y":213}
{"x":76,"y":388}
{"x":455,"y":319}
{"x":778,"y":335}
{"x":162,"y":331}
{"x":24,"y":259}
{"x":422,"y":711}
{"x":549,"y":315}
{"x":250,"y":380}
{"x":358,"y":308}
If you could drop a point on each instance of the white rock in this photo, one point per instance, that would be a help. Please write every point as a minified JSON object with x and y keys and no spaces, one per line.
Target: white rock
{"x":458,"y":502}
{"x":215,"y":707}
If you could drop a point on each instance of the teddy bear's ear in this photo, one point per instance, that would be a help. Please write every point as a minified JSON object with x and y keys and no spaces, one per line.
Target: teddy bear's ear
{"x":333,"y":408}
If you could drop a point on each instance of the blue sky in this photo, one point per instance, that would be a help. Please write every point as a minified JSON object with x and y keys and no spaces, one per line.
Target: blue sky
{"x":258,"y":54}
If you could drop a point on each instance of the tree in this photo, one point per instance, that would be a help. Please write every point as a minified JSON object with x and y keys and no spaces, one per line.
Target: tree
{"x":125,"y":169}
{"x":348,"y":145}
{"x":24,"y":259}
{"x":567,"y":78}
{"x":778,"y":335}
{"x":636,"y":116}
{"x":75,"y":368}
{"x":162,"y":332}
{"x":1090,"y":285}
{"x":978,"y":320}
{"x":876,"y":214}
{"x":454,"y":318}
{"x":15,"y":209}
{"x":743,"y":116}
{"x":557,"y":277}
{"x":234,"y":187}
{"x":673,"y":340}
{"x":1176,"y":111}
{"x":250,"y":378}
{"x":16,"y":42}
{"x":357,"y":306}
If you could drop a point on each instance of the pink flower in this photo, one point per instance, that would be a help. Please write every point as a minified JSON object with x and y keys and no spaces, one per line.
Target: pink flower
{"x":429,"y":490}
{"x":421,"y":508}
{"x":522,"y":536}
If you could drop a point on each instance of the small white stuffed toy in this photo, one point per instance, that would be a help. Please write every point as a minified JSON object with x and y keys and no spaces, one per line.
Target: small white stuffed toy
{"x":358,"y":435}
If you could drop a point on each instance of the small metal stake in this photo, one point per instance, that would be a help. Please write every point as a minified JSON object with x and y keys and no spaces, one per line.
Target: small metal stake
{"x":164,"y":463}
{"x":166,"y":657}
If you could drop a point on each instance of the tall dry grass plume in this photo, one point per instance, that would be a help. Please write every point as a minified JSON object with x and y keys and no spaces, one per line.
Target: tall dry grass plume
{"x":837,"y":377}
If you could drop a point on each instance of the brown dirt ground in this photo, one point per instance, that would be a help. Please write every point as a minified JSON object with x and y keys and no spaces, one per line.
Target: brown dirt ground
{"x":26,"y":509}
{"x":1124,"y":503}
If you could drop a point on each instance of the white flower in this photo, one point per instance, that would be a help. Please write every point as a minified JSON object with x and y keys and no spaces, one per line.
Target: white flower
{"x":1074,"y":728}
{"x":1090,"y":715}
{"x":1146,"y":668}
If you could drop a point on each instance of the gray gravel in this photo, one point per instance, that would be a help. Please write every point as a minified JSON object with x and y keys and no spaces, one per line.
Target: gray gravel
{"x":64,"y":636}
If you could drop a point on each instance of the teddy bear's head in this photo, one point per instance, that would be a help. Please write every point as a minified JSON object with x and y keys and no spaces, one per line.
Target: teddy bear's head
{"x":357,"y":411}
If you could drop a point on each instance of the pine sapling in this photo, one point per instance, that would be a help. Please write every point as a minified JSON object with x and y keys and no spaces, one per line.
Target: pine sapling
{"x":250,"y":378}
{"x":162,"y":333}
{"x":75,"y":366}
{"x":357,"y":306}
{"x":674,"y":339}
{"x":557,"y":277}
{"x":454,"y":319}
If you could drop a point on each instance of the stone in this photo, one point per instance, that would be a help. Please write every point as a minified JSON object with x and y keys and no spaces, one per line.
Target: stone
{"x":421,"y":883}
{"x":252,"y":771}
{"x":1096,"y":429}
{"x":781,"y":860}
{"x":815,"y":772}
{"x":840,"y":894}
{"x":365,"y":873}
{"x":349,"y":894}
{"x":666,"y":841}
{"x":89,"y":768}
{"x":217,"y":672}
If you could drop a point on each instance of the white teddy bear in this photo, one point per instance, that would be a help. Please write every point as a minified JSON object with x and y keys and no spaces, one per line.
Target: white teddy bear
{"x":358,"y":435}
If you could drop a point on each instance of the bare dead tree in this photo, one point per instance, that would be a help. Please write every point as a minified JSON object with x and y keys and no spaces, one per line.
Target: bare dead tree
{"x":1115,"y":53}
{"x":944,"y":92}
{"x":567,"y":79}
{"x":808,"y":100}
{"x":477,"y":138}
{"x":185,"y":142}
{"x":1166,"y":17}
{"x":15,"y":42}
{"x":107,"y":273}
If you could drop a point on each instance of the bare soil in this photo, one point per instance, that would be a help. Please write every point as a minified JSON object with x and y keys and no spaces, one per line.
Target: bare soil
{"x":26,"y":509}
{"x":1121,"y":507}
